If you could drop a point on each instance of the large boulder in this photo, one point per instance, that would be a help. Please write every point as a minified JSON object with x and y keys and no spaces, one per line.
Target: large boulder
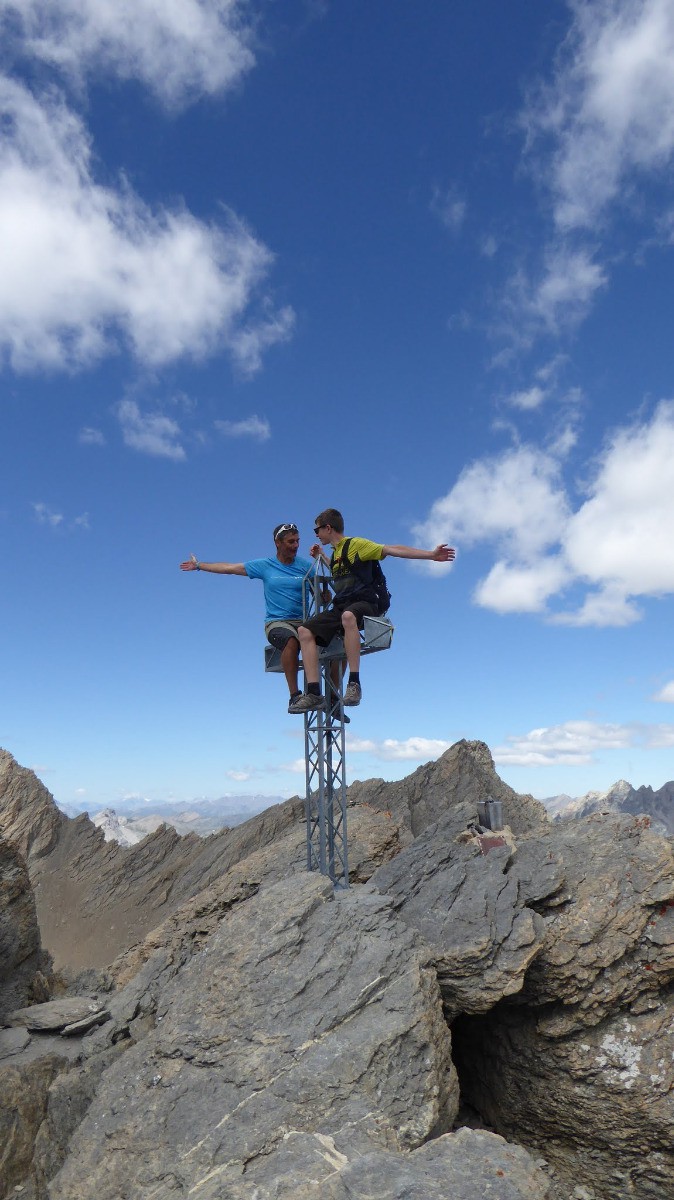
{"x":598,"y":1104}
{"x":579,"y":1062}
{"x":305,"y":1012}
{"x":609,"y":932}
{"x":24,"y":1091}
{"x":472,"y":899}
{"x":466,"y":1165}
{"x":24,"y":967}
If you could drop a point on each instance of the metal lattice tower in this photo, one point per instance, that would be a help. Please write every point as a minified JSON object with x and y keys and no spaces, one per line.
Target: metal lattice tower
{"x":324,"y":741}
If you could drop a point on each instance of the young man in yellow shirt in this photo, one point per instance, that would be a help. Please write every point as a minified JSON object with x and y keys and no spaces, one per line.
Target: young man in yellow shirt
{"x":355,"y":598}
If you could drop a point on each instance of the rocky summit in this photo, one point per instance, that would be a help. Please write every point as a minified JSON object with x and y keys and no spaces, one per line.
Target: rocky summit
{"x":481,"y":1016}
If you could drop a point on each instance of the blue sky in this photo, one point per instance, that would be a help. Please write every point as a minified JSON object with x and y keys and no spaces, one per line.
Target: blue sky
{"x":414,"y":261}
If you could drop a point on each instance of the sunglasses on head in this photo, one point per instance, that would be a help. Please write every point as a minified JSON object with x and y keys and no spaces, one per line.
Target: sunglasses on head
{"x":286,"y":529}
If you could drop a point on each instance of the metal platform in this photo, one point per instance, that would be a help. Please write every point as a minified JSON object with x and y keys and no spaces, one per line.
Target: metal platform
{"x":376,"y":634}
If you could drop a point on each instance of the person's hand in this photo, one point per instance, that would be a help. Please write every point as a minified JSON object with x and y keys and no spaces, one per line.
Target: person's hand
{"x":444,"y":553}
{"x":192,"y":564}
{"x":315,"y":550}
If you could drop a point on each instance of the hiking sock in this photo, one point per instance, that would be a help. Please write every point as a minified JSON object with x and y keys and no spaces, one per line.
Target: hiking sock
{"x":354,"y":676}
{"x":314,"y":689}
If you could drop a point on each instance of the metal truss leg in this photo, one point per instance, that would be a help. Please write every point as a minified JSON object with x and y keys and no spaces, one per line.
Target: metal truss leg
{"x":326,"y":785}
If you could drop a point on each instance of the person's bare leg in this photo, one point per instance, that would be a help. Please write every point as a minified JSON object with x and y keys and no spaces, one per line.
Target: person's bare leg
{"x":309,"y":654}
{"x":290,"y":656}
{"x":351,"y":640}
{"x":334,"y":672}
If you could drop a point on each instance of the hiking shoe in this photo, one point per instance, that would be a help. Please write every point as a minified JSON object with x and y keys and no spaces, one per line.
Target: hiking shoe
{"x":334,"y":709}
{"x":306,"y":703}
{"x":352,"y":695}
{"x":346,"y":720}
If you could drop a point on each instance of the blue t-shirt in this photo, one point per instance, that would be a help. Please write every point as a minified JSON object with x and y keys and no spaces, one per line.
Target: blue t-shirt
{"x":282,"y":583}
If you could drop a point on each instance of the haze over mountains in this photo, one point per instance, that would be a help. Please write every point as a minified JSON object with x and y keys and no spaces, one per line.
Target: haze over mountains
{"x":621,"y":797}
{"x":128,"y":822}
{"x":131,"y":819}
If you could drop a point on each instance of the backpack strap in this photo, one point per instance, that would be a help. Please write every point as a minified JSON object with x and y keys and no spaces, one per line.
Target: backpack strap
{"x":361,"y":571}
{"x":343,"y":559}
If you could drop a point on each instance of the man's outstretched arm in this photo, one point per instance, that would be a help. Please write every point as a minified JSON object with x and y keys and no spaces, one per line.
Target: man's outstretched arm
{"x":193,"y":564}
{"x":441,"y":553}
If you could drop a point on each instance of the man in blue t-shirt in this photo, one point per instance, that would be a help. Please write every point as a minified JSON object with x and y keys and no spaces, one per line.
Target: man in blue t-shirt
{"x":282,"y":578}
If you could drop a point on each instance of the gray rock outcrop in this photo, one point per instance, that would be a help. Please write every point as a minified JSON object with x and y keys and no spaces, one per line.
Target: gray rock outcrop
{"x":24,"y":967}
{"x":305,"y":1014}
{"x":269,"y":1038}
{"x":580,"y":1062}
{"x":464,"y":774}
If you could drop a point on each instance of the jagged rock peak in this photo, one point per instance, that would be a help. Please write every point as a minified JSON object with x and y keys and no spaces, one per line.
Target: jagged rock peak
{"x":116,"y":828}
{"x":463,"y":774}
{"x":29,"y":816}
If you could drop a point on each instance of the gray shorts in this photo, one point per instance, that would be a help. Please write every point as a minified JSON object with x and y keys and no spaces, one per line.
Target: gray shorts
{"x":280,"y":632}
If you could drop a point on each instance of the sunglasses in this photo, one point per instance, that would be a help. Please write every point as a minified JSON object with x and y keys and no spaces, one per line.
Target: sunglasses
{"x":317,"y":527}
{"x":286,"y":529}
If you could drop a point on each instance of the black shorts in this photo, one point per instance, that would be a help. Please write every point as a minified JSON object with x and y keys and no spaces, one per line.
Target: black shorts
{"x":328,"y":624}
{"x":279,"y":632}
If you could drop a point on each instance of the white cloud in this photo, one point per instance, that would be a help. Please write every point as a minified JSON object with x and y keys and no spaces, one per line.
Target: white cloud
{"x":573,"y":743}
{"x":666,"y":693}
{"x":47,"y":516}
{"x":616,"y":543}
{"x":567,"y":288}
{"x":529,"y":399}
{"x":564,"y":440}
{"x":514,"y":500}
{"x":296,"y":767}
{"x":150,"y":433}
{"x":513,"y":588}
{"x":177,"y":48}
{"x":559,"y":298}
{"x":86,"y":267}
{"x":611,"y":109}
{"x":601,"y":130}
{"x":620,"y":536}
{"x":449,"y":207}
{"x":660,"y":735}
{"x":91,"y":437}
{"x":488,"y":246}
{"x":248,"y":344}
{"x":253,"y":427}
{"x":610,"y":606}
{"x":391,"y":750}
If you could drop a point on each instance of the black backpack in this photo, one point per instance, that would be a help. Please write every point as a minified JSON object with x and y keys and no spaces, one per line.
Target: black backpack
{"x":371,"y":576}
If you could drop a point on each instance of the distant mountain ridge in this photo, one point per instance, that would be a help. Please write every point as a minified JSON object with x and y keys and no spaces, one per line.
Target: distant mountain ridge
{"x":129,"y":821}
{"x":621,"y":797}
